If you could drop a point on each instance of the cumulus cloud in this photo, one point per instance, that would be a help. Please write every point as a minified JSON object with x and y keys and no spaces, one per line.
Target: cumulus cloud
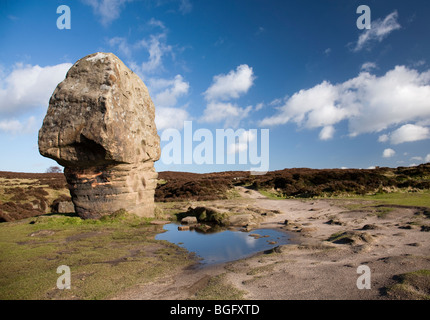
{"x":379,"y":31}
{"x":327,"y":133}
{"x":228,"y":112}
{"x":315,"y":107}
{"x":155,"y":45}
{"x":13,"y":126}
{"x":242,"y":144}
{"x":383,"y":138}
{"x":367,"y":102}
{"x":170,"y":118}
{"x":225,"y":87}
{"x":368,"y":66}
{"x":167,"y":91}
{"x":231,"y":85}
{"x":165,"y":94}
{"x":157,"y":48}
{"x":107,"y":10}
{"x":417,"y":159}
{"x":122,"y":46}
{"x":427,"y":159}
{"x":28,"y":87}
{"x":409,"y":133}
{"x":388,"y":153}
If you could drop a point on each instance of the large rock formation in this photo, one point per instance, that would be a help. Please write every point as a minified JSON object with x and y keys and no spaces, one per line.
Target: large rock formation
{"x":100,"y":127}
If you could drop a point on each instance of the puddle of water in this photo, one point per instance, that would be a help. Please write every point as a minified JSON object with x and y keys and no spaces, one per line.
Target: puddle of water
{"x":223,"y":246}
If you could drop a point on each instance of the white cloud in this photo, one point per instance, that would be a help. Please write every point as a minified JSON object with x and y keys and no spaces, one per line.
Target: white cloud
{"x":107,"y":10}
{"x":122,"y":45}
{"x":388,"y":153}
{"x":231,"y":85}
{"x":185,"y":6}
{"x":242,"y":144}
{"x":170,"y":118}
{"x":166,"y":92}
{"x":226,"y":87}
{"x":232,"y":114}
{"x":28,"y":87}
{"x":312,"y":108}
{"x":327,"y":133}
{"x":14,"y":126}
{"x":427,"y":159}
{"x":409,"y":133}
{"x":157,"y":48}
{"x":416,"y":159}
{"x":259,"y":106}
{"x":156,"y":23}
{"x":379,"y":30}
{"x":383,"y":138}
{"x":401,"y":95}
{"x":369,"y":103}
{"x":368,"y":66}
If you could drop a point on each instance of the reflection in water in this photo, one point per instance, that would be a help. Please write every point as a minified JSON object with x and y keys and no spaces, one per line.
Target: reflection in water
{"x":223,"y":246}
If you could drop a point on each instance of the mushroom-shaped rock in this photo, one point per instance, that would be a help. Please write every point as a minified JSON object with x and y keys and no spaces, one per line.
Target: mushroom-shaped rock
{"x":100,"y":126}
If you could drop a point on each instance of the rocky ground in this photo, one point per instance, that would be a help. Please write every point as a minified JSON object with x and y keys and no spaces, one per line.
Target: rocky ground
{"x":332,"y":239}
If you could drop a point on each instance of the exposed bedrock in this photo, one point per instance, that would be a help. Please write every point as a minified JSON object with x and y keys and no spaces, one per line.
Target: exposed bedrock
{"x":100,"y":127}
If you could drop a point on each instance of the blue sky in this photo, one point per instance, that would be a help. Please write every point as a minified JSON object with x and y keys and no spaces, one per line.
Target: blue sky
{"x":331,"y":95}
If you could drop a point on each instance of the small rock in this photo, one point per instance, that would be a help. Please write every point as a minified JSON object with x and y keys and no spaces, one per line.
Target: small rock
{"x":183,"y":228}
{"x":66,"y":207}
{"x":189,"y":220}
{"x":202,"y":227}
{"x":415,"y":244}
{"x":406,"y":227}
{"x":370,"y":227}
{"x":268,"y":214}
{"x":335,"y":221}
{"x":159,"y":222}
{"x":240,"y":219}
{"x":272,"y":242}
{"x":251,"y":225}
{"x":42,"y":233}
{"x":425,"y":228}
{"x":280,"y":249}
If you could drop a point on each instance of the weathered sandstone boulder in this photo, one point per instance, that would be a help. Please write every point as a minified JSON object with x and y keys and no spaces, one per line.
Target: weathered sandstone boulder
{"x":100,"y":127}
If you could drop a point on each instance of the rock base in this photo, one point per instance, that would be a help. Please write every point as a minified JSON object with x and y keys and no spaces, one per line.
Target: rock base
{"x":100,"y":191}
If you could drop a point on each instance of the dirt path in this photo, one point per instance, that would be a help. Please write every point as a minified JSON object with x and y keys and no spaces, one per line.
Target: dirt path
{"x":389,"y":243}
